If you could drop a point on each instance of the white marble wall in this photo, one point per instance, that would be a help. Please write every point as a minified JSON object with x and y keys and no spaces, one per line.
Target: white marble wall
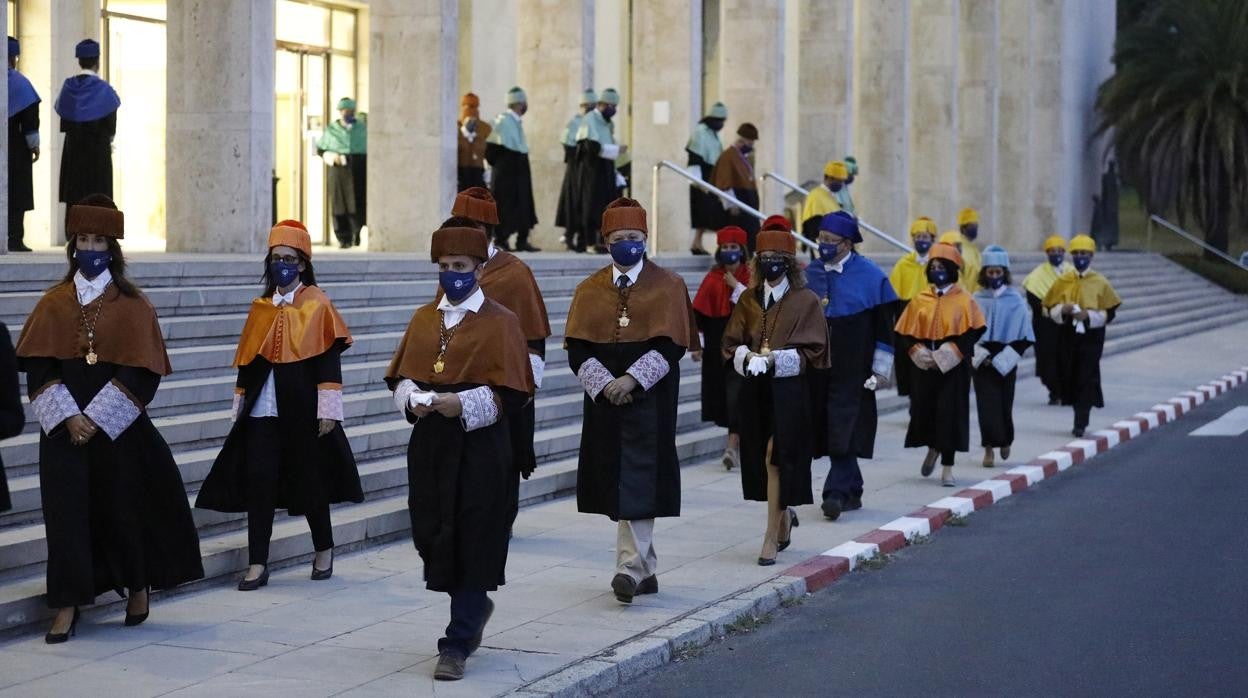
{"x":933,"y":164}
{"x":751,"y":75}
{"x":881,"y":112}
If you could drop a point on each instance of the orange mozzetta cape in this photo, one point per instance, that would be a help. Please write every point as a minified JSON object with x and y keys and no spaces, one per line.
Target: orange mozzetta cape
{"x":510,"y":282}
{"x":798,"y":324}
{"x":1091,"y":291}
{"x":933,"y":317}
{"x":127,"y":332}
{"x":304,"y":329}
{"x":487,"y":348}
{"x":658,"y":306}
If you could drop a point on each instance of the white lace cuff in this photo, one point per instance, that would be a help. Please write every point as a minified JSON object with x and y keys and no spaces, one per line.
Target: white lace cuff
{"x":112,"y":411}
{"x":53,"y":406}
{"x":649,"y":369}
{"x":1097,"y":319}
{"x":594,"y":377}
{"x":237,"y":407}
{"x":787,"y":363}
{"x":402,"y":392}
{"x":738,"y":292}
{"x":538,"y":364}
{"x":882,"y":363}
{"x":1005,"y":361}
{"x":738,"y":359}
{"x":329,"y":404}
{"x":478,"y":408}
{"x":947,"y":357}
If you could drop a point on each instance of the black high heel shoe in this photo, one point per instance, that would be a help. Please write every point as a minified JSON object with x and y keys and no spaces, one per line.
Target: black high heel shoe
{"x":133,"y":619}
{"x":245,"y":584}
{"x":793,"y":523}
{"x":320,"y":575}
{"x":57,"y":638}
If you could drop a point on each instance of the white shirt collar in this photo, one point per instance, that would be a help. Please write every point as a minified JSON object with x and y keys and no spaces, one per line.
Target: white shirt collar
{"x":472,"y":303}
{"x":996,"y":292}
{"x":920,"y":258}
{"x":839,"y":267}
{"x":632,"y":274}
{"x":90,"y":289}
{"x":942,"y":290}
{"x":777,"y":292}
{"x":87,"y":71}
{"x":511,"y":112}
{"x":491,"y":250}
{"x":280,"y":298}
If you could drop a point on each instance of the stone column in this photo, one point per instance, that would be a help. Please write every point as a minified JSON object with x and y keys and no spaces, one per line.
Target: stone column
{"x":1014,"y":122}
{"x":220,"y":125}
{"x":976,"y":109}
{"x":881,"y":114}
{"x":554,"y":61}
{"x":825,"y":75}
{"x":933,"y":170}
{"x":667,"y":61}
{"x":751,"y":75}
{"x":414,"y":82}
{"x":1048,"y":156}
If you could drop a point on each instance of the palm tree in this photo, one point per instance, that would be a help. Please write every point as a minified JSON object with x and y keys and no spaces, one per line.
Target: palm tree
{"x":1177,"y":108}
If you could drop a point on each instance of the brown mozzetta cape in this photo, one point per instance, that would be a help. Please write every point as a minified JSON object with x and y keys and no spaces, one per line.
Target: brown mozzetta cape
{"x":127,"y":332}
{"x":487,"y":348}
{"x":933,"y":317}
{"x":510,"y":282}
{"x":658,"y":306}
{"x":733,"y":171}
{"x":304,"y":329}
{"x":799,"y":324}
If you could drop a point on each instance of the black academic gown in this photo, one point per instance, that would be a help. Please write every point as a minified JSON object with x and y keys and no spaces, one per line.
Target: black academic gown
{"x":628,"y":468}
{"x":565,"y":217}
{"x":902,"y":367}
{"x":462,"y":494}
{"x":994,"y":397}
{"x":12,"y":415}
{"x":940,"y":403}
{"x":512,"y":186}
{"x":115,"y":512}
{"x":312,"y":470}
{"x":594,"y":188}
{"x":359,"y":185}
{"x":1046,"y":345}
{"x":847,"y":418}
{"x":705,"y":211}
{"x":719,"y":384}
{"x":1079,"y":365}
{"x":21,"y":180}
{"x":87,"y":158}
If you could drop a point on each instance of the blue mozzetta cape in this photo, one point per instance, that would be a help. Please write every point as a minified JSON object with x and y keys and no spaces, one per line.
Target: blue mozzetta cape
{"x":861,"y":286}
{"x":86,"y":98}
{"x":1007,"y":316}
{"x":21,"y":93}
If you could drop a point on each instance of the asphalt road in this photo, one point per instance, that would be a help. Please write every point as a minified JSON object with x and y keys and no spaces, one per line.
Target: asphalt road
{"x":1124,"y":576}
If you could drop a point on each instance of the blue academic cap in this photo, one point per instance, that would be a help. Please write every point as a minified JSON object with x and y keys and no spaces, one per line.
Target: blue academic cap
{"x":843,"y":224}
{"x":87,"y":48}
{"x":15,"y":47}
{"x":996,"y":256}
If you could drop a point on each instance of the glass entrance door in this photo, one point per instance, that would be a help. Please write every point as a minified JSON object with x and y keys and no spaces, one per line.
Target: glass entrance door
{"x":300,"y":118}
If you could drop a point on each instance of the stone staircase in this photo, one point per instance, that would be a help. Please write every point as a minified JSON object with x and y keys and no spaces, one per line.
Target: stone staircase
{"x":202,"y":301}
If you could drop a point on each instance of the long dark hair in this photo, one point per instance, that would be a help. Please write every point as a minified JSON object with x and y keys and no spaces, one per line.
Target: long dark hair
{"x":795,"y":273}
{"x":116,"y":267}
{"x":954,"y":272}
{"x":983,"y":277}
{"x":307,"y":276}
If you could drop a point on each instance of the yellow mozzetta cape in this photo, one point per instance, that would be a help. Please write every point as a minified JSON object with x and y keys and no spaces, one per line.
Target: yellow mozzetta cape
{"x":1041,"y":279}
{"x":908,"y":277}
{"x":968,"y":276}
{"x":1091,"y":291}
{"x":818,"y":204}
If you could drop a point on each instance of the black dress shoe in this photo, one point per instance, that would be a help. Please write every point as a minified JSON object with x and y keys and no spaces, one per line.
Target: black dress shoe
{"x":832,"y":508}
{"x":854,"y":504}
{"x":18,"y":247}
{"x":450,"y":667}
{"x":526,"y":247}
{"x":649,"y":585}
{"x":321,"y":575}
{"x":1078,"y":432}
{"x":476,"y":639}
{"x":502,"y":245}
{"x":57,"y":638}
{"x":625,"y":588}
{"x":698,"y":252}
{"x":929,"y":463}
{"x":245,"y":584}
{"x":133,"y":619}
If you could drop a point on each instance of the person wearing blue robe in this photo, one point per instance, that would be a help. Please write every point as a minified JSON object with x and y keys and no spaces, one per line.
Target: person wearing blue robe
{"x":860,"y":307}
{"x":23,"y":148}
{"x":87,"y":106}
{"x":998,"y":351}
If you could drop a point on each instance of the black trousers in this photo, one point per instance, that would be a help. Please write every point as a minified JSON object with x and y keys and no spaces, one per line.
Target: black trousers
{"x":17,"y":228}
{"x":844,"y":479}
{"x":347,"y":229}
{"x":264,"y":438}
{"x":467,"y":614}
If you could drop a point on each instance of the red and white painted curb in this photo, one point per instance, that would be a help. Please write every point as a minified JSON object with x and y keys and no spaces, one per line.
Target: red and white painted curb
{"x":821,"y":570}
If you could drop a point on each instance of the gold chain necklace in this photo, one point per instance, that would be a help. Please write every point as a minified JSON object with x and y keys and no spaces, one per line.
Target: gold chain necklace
{"x":444,"y":340}
{"x":765,"y":346}
{"x":89,"y":325}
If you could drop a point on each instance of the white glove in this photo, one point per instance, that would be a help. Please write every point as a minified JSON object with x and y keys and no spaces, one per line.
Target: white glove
{"x":922,"y":358}
{"x":488,"y":176}
{"x":420,"y":398}
{"x":620,"y":181}
{"x":758,"y":366}
{"x":872,"y":383}
{"x":981,"y":355}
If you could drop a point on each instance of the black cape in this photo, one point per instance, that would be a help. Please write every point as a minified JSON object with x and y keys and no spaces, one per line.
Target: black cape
{"x":720,"y":386}
{"x":1079,"y":364}
{"x":940,"y":403}
{"x":593,"y":187}
{"x":1046,"y":345}
{"x":779,"y":410}
{"x":564,"y":216}
{"x":115,"y":512}
{"x":628,"y":468}
{"x":994,"y":397}
{"x":87,"y":158}
{"x":21,"y":180}
{"x":312,"y":469}
{"x":12,"y":416}
{"x":705,"y":211}
{"x":512,"y":186}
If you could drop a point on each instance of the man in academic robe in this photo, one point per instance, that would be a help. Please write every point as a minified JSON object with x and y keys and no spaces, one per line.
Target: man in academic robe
{"x":908,"y":279}
{"x":459,"y":375}
{"x":860,"y":306}
{"x":968,"y":225}
{"x":1081,"y":302}
{"x":344,"y":148}
{"x":23,"y":148}
{"x":511,"y":181}
{"x":628,"y":327}
{"x":822,"y":199}
{"x":565,"y":215}
{"x":844,"y":197}
{"x":703,"y":149}
{"x":598,"y":182}
{"x":1036,"y":286}
{"x":87,"y":107}
{"x":472,"y":136}
{"x":734,"y":174}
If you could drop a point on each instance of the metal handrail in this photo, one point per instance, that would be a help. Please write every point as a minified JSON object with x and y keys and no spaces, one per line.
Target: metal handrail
{"x":1154,"y":218}
{"x":869,"y":228}
{"x":710,"y":189}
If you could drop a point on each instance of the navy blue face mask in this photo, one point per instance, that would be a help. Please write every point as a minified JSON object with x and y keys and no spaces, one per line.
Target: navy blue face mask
{"x":608,"y":112}
{"x":971,"y":231}
{"x":91,"y":263}
{"x":715,"y":124}
{"x":283,"y":273}
{"x":829,"y":251}
{"x":937,"y":276}
{"x":774,"y":269}
{"x":746,"y":149}
{"x":728,"y":257}
{"x":996,"y":283}
{"x":922,"y":246}
{"x":1056,"y":258}
{"x":1081,"y":262}
{"x":836,"y":186}
{"x":627,"y":253}
{"x":457,"y":285}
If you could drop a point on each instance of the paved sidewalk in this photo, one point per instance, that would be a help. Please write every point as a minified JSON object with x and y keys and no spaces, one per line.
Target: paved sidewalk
{"x":372,"y":629}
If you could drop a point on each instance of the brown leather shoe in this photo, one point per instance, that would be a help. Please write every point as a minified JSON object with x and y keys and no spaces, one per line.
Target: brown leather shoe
{"x":450,"y":667}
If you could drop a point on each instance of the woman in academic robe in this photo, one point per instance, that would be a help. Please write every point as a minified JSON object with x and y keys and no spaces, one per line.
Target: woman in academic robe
{"x":1081,"y":302}
{"x":12,"y":416}
{"x":627,"y":330}
{"x":938,"y":331}
{"x":459,"y":375}
{"x":908,"y":278}
{"x":286,"y":449}
{"x":703,"y":149}
{"x":775,"y":340}
{"x":1037,"y":285}
{"x":734,"y":174}
{"x":1007,"y":335}
{"x":721,"y":289}
{"x":114,"y":506}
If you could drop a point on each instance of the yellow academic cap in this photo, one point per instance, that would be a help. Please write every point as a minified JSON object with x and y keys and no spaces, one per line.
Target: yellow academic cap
{"x":1054,"y":241}
{"x":836,"y":170}
{"x":922,"y":225}
{"x":1082,"y":243}
{"x":951,"y":237}
{"x":967,"y":215}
